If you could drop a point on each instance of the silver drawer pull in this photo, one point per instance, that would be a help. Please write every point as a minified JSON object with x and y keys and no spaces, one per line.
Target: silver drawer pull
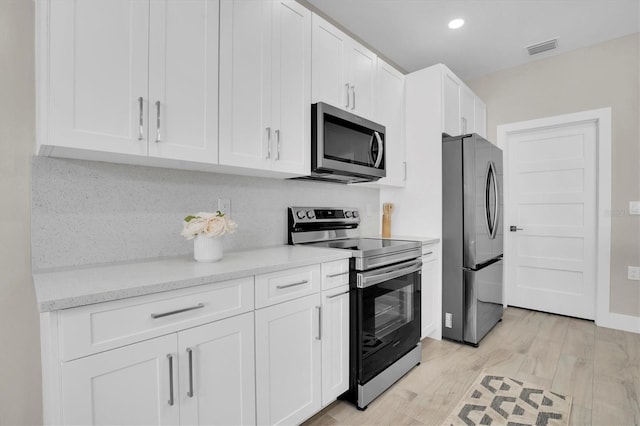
{"x":337,"y":294}
{"x":178,"y":311}
{"x":291,"y":285}
{"x":338,"y":275}
{"x":428,"y":253}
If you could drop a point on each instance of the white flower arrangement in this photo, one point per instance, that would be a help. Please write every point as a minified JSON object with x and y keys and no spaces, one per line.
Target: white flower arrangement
{"x":209,"y":224}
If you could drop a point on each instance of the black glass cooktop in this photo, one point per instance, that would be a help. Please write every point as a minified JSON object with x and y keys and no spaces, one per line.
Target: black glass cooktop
{"x":363,"y":247}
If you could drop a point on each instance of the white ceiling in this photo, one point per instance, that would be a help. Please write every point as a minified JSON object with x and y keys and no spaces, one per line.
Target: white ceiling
{"x":414,"y":33}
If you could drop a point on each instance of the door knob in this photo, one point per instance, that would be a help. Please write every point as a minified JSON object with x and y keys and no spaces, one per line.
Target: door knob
{"x":514,"y":228}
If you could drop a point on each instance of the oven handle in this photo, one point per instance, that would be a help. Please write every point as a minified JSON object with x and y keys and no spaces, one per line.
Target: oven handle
{"x":364,"y":280}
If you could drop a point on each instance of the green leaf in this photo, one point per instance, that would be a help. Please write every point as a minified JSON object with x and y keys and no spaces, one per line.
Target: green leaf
{"x":219,"y":214}
{"x":189,"y":218}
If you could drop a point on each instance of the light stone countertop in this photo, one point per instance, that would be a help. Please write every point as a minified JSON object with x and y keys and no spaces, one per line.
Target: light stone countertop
{"x":71,"y":287}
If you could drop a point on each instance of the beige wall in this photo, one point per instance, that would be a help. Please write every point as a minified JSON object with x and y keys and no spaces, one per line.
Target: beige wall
{"x":603,"y":75}
{"x":20,"y":388}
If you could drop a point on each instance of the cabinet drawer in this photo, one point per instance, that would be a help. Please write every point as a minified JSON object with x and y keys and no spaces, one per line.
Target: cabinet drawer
{"x":286,"y":285}
{"x":95,"y":328}
{"x":335,"y":274}
{"x":429,"y":252}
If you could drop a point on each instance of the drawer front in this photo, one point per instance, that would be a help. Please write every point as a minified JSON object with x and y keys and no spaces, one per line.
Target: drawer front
{"x":95,"y":328}
{"x":335,"y":274}
{"x":429,"y":252}
{"x":277,"y":287}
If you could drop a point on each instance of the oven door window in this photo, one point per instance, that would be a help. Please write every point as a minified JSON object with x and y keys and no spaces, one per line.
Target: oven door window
{"x":389,"y":315}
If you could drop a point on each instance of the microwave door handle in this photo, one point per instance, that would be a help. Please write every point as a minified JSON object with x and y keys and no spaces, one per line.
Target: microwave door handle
{"x":380,"y":149}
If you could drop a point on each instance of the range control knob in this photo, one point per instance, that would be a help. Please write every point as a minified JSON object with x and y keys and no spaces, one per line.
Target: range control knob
{"x":300,"y":214}
{"x":310,"y":214}
{"x":355,"y":213}
{"x":347,"y":214}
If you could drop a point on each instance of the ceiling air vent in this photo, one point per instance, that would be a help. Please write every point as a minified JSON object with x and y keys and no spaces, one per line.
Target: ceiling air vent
{"x":543,"y":46}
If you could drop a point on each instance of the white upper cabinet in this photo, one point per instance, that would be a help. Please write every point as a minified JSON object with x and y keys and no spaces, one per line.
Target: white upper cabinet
{"x":265,"y":87}
{"x":343,"y":70}
{"x":389,"y":111}
{"x":97,"y":76}
{"x":130,"y":77}
{"x":183,"y":80}
{"x":462,"y":111}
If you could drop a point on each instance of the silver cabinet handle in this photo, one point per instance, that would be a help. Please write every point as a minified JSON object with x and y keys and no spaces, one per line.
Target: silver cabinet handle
{"x":346,"y":88}
{"x":141,"y":119}
{"x":158,"y":121}
{"x":514,"y":228}
{"x":279,"y":287}
{"x":277,"y":144}
{"x":170,"y":357}
{"x":319,"y":308}
{"x":337,"y":294}
{"x":353,"y":93}
{"x":405,"y":172}
{"x":177,"y":311}
{"x":428,"y":253}
{"x":190,"y":391}
{"x":268,"y":143}
{"x":338,"y":274}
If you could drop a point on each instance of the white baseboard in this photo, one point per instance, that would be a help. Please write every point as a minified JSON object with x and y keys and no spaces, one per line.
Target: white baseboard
{"x":620,"y":322}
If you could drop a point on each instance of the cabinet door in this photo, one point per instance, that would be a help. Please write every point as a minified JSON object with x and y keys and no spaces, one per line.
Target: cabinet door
{"x":389,"y":111}
{"x":451,"y":105}
{"x":329,"y":52}
{"x":132,"y":385}
{"x":291,"y":87}
{"x":183,"y":80}
{"x":335,"y":343}
{"x":217,"y":377}
{"x":288,"y":366}
{"x":431,"y":300}
{"x":245,"y":84}
{"x":98,"y":72}
{"x":362,"y":71}
{"x":467,"y":106}
{"x":480,"y":117}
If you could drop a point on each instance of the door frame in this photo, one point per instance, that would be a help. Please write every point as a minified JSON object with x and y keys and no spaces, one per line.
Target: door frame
{"x":602,"y":118}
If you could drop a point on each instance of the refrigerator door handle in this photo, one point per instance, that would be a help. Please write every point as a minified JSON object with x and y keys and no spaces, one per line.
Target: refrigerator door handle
{"x":491,"y":212}
{"x":496,"y":204}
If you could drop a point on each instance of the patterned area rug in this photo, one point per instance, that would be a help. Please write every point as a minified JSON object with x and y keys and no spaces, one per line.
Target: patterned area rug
{"x":494,"y":399}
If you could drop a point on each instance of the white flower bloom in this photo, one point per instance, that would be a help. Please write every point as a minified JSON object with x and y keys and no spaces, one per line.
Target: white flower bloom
{"x":214,"y":227}
{"x":211,"y":224}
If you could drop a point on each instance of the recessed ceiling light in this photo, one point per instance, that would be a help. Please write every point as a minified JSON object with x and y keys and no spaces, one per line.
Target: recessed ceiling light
{"x":456,"y":23}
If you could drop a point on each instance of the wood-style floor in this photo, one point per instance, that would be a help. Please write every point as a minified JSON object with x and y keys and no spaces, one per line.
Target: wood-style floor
{"x":599,"y":367}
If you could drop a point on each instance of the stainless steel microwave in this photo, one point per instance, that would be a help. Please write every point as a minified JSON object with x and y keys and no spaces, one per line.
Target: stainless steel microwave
{"x":345,"y":148}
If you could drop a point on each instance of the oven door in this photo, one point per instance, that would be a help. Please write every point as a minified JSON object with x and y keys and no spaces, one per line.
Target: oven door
{"x":387,"y":316}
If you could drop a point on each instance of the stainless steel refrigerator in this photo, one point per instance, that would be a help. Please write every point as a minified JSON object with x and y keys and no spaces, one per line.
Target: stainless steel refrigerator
{"x":472,"y":238}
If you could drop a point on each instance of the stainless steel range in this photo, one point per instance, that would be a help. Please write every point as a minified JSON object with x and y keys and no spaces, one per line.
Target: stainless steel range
{"x":384,"y":280}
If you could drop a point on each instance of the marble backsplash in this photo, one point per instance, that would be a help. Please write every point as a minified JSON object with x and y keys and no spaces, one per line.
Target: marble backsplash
{"x":86,"y":212}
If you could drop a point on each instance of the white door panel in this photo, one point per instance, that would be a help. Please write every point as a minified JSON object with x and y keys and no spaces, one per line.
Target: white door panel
{"x":553,"y":199}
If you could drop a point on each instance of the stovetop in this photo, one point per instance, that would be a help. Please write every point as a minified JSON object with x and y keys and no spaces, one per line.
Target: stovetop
{"x":366,"y":247}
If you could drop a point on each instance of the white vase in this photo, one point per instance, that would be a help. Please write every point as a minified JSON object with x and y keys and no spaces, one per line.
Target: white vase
{"x":207,"y":249}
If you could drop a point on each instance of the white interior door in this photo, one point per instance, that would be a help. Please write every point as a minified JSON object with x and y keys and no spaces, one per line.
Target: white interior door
{"x":552,"y":201}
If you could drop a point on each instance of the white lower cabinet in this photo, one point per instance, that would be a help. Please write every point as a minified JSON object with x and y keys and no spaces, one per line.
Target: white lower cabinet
{"x":203,"y":375}
{"x":129,"y":385}
{"x":217,"y":373}
{"x":288,"y":351}
{"x":335,"y":343}
{"x":431,"y":300}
